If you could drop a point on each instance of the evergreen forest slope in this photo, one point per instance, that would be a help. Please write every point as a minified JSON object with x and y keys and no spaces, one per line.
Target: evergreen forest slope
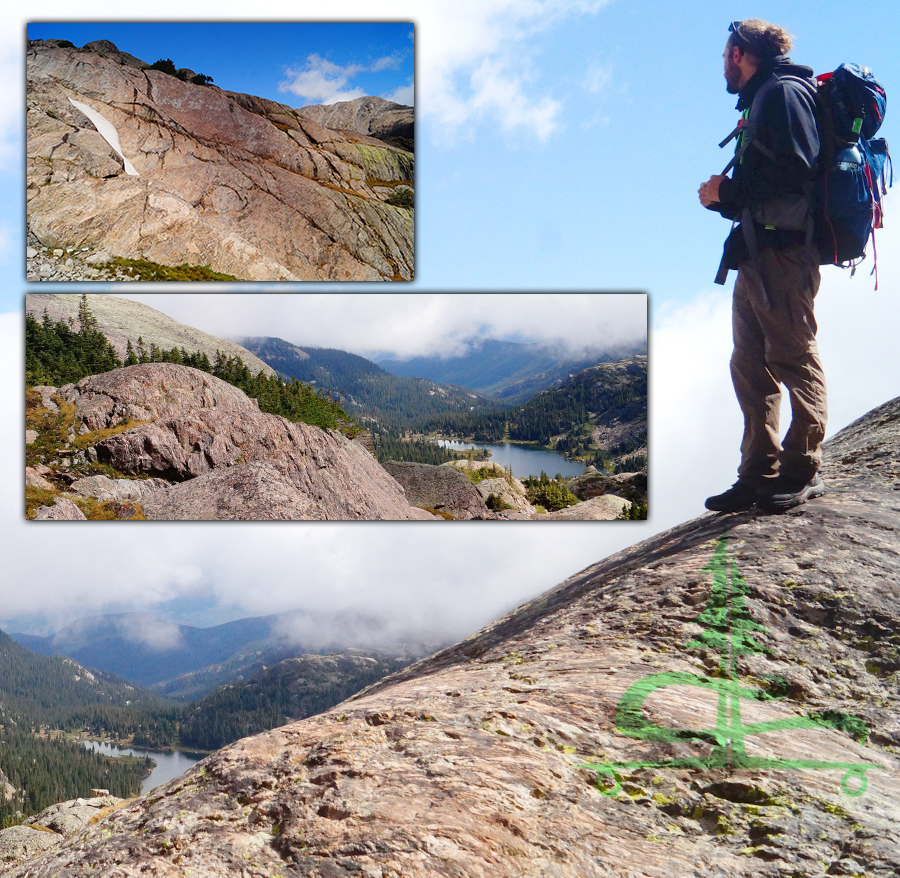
{"x":123,"y":321}
{"x":369,"y":392}
{"x":509,"y":370}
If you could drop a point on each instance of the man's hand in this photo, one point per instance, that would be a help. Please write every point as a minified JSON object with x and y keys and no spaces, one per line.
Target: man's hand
{"x":709,"y":191}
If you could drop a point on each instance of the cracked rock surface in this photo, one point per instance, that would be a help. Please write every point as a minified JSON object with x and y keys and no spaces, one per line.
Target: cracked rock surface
{"x":470,"y":762}
{"x":244,"y":185}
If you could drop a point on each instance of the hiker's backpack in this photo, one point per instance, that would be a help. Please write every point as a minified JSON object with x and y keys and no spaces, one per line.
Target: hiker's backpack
{"x":853,"y":164}
{"x":845,"y":195}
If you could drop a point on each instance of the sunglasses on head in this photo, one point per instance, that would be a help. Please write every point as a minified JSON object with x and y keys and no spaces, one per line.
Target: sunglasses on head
{"x":735,"y":28}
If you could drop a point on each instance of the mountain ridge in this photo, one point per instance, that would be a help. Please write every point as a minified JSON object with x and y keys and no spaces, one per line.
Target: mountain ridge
{"x":507,"y":370}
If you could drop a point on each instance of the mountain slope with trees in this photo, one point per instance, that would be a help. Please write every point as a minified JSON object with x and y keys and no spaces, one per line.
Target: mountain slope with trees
{"x":508,"y":370}
{"x":368,"y":391}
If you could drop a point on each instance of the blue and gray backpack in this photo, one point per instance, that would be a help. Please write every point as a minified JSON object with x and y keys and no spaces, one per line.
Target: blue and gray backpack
{"x":853,"y":164}
{"x":845,"y":196}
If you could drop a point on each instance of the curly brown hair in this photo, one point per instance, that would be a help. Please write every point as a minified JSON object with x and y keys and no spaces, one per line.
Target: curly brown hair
{"x":759,"y":38}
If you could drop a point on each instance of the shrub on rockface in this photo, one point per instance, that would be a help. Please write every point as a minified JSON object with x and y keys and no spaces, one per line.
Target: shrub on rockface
{"x":166,"y":65}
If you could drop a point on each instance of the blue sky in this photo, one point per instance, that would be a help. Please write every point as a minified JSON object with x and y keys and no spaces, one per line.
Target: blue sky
{"x":560,"y":145}
{"x":295,"y":63}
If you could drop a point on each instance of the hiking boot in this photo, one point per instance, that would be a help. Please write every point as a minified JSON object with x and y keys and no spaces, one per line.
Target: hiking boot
{"x":785,"y":492}
{"x":740,"y":496}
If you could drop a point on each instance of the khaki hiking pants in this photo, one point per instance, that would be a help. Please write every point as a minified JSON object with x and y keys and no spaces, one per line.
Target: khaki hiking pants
{"x":774,"y":347}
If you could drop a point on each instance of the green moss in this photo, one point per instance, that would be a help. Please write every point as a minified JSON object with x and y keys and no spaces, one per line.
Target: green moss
{"x":144,"y":269}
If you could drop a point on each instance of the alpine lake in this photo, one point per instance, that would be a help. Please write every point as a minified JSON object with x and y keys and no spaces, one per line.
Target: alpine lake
{"x":525,"y":459}
{"x":169,"y":763}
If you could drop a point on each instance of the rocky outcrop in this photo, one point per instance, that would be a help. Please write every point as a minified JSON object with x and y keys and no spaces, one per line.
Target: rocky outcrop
{"x":177,"y":424}
{"x":284,"y":491}
{"x":149,"y":391}
{"x":592,"y":483}
{"x":605,"y":508}
{"x":103,"y":488}
{"x":393,"y":123}
{"x":122,"y":320}
{"x":508,"y":489}
{"x":48,"y":829}
{"x":440,"y":488}
{"x":244,"y":185}
{"x":526,"y":750}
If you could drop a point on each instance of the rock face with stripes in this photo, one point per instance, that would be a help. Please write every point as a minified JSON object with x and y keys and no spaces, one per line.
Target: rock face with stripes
{"x":719,"y":700}
{"x":244,"y":185}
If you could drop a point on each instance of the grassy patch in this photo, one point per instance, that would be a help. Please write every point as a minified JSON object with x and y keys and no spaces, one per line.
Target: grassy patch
{"x":96,"y":436}
{"x":401,"y":198}
{"x":143,"y":269}
{"x":486,"y":472}
{"x":37,"y":497}
{"x":445,"y":515}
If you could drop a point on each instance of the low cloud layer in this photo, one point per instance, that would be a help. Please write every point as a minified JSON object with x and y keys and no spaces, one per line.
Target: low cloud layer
{"x":408,"y":325}
{"x":443,"y":581}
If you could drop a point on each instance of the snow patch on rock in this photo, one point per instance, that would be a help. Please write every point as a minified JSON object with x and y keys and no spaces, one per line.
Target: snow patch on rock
{"x":107,"y":131}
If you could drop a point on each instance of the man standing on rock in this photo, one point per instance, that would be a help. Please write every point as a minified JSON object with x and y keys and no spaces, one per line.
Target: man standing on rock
{"x":778,"y":273}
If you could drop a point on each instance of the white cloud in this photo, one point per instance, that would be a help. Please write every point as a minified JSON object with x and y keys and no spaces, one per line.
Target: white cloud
{"x":323,"y":82}
{"x":405,"y":95}
{"x":411,"y":324}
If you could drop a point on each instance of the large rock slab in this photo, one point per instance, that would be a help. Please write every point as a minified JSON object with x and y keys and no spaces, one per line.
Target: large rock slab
{"x":264,"y":491}
{"x":68,"y":817}
{"x":244,"y":185}
{"x":46,"y":830}
{"x":472,"y":762}
{"x":441,"y":488}
{"x":20,"y":843}
{"x":604,"y":508}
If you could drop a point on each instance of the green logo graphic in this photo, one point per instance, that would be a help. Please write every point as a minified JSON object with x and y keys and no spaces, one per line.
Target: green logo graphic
{"x":729,"y":630}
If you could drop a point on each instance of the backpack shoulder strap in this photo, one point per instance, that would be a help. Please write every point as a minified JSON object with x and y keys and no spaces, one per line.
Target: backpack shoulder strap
{"x":749,"y":128}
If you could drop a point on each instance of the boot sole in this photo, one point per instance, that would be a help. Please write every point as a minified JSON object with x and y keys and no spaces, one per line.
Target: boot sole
{"x":770,"y":504}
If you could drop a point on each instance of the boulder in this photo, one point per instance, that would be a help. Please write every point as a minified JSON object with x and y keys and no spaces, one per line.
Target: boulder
{"x":441,"y":488}
{"x":47,"y":397}
{"x":511,"y":493}
{"x":149,"y":391}
{"x":61,"y":510}
{"x":103,"y":488}
{"x":604,"y":508}
{"x":33,"y":479}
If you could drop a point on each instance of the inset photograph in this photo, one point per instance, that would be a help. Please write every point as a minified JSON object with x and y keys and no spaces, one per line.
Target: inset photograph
{"x":220,"y":152}
{"x":443,"y":407}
